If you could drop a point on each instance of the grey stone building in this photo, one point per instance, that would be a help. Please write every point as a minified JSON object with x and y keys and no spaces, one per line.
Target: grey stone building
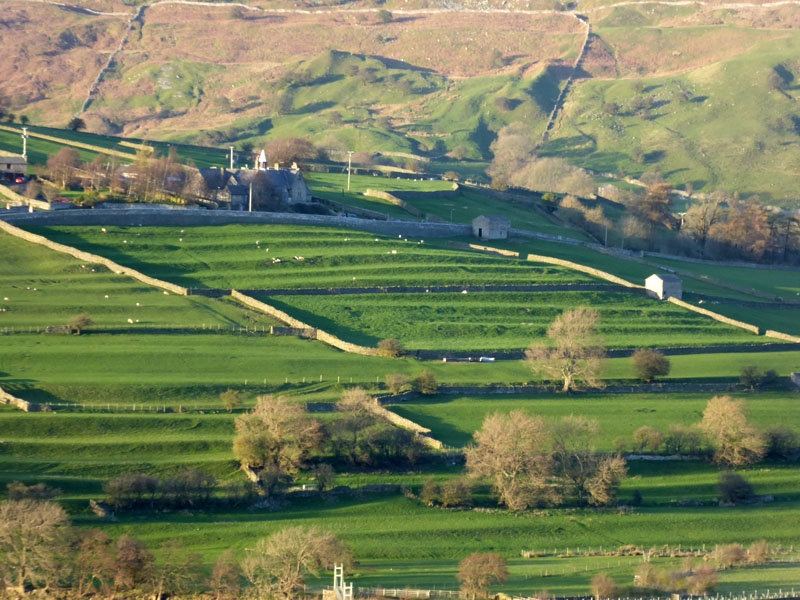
{"x":491,"y":227}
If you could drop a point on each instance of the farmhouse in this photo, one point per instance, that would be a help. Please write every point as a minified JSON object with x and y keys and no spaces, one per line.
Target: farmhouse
{"x":12,"y":165}
{"x":664,"y":286}
{"x":269,"y":189}
{"x":492,"y":227}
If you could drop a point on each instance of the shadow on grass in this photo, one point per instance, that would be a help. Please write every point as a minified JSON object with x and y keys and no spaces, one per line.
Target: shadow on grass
{"x":176,"y":275}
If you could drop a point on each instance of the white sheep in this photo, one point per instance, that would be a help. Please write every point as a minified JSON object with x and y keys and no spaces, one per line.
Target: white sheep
{"x":130,"y":321}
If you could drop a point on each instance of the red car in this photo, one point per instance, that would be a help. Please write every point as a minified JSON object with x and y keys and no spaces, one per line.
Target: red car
{"x":19,"y":180}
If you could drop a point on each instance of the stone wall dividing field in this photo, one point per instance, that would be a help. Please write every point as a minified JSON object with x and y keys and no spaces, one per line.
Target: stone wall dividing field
{"x":423,"y":433}
{"x":392,"y":199}
{"x":717,"y":316}
{"x":322,"y":336}
{"x":62,"y":141}
{"x":781,"y":336}
{"x":6,"y":398}
{"x":91,"y":258}
{"x":583,"y":269}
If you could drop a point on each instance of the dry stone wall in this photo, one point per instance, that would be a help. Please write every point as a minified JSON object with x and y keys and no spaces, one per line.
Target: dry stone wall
{"x":781,"y":336}
{"x":423,"y":433}
{"x":50,"y":138}
{"x":715,"y":316}
{"x":322,"y":336}
{"x":6,"y":398}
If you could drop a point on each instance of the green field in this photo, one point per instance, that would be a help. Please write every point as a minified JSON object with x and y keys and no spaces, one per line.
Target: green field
{"x":503,"y":321}
{"x":454,"y":419}
{"x":243,"y":257}
{"x":144,"y":397}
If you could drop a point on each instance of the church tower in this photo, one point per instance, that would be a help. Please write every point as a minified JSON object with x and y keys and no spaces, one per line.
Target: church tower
{"x":261,"y":164}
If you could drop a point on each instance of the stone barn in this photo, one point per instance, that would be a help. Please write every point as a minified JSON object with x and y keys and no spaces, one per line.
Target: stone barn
{"x":12,"y":166}
{"x":664,"y":286}
{"x":492,"y":227}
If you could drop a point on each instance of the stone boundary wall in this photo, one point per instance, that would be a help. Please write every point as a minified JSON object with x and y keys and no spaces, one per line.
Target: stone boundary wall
{"x":715,"y":316}
{"x":500,"y":251}
{"x":202,"y":217}
{"x":17,"y":200}
{"x":392,"y":199}
{"x":65,"y":142}
{"x":583,"y":269}
{"x":293,"y":331}
{"x":6,"y":398}
{"x":91,"y":258}
{"x":781,"y":336}
{"x":319,"y":334}
{"x":423,"y":433}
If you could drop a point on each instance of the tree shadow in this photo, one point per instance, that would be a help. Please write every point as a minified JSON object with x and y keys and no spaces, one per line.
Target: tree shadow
{"x":314,"y":107}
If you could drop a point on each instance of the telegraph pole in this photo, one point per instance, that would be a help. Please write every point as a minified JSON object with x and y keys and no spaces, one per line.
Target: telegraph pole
{"x":231,"y":158}
{"x":349,"y":158}
{"x":24,"y":142}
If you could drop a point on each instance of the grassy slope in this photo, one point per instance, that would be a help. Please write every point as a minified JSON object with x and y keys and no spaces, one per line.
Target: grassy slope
{"x":454,"y":419}
{"x":692,"y":141}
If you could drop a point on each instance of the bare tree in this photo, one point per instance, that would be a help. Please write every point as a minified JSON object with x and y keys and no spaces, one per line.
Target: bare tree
{"x":584,"y":472}
{"x":736,"y":442}
{"x":278,"y":564}
{"x":32,"y":542}
{"x":575,"y":352}
{"x":701,"y":217}
{"x":61,"y":166}
{"x":277,"y":436}
{"x":225,"y":575}
{"x":94,"y":562}
{"x":511,"y":451}
{"x":357,"y":417}
{"x":603,"y":586}
{"x":478,"y":571}
{"x":133,"y":563}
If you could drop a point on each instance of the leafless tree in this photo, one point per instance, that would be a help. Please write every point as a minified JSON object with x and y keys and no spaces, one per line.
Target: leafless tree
{"x":94,"y":562}
{"x":575,"y":351}
{"x":736,"y":442}
{"x":277,"y":565}
{"x":478,"y":571}
{"x":603,"y":586}
{"x":511,"y":450}
{"x":61,"y":166}
{"x":225,"y":575}
{"x":277,"y":435}
{"x":701,"y":217}
{"x":133,"y":563}
{"x":177,"y":570}
{"x":33,"y":541}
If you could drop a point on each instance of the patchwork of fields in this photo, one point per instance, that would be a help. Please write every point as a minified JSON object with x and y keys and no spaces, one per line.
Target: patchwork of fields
{"x":144,"y":396}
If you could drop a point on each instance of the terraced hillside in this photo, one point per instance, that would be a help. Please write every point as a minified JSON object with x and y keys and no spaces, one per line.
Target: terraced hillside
{"x":259,"y":259}
{"x":130,"y":399}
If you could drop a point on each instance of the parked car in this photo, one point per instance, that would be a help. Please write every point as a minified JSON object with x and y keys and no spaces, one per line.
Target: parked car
{"x":19,"y":180}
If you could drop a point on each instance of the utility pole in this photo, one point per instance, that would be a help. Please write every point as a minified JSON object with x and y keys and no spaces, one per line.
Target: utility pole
{"x":349,"y":159}
{"x":250,"y":208}
{"x":24,"y":142}
{"x":231,"y":158}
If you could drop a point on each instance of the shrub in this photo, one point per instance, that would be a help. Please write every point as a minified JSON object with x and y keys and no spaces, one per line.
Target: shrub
{"x":431,"y":492}
{"x":730,"y":555}
{"x":398,"y":383}
{"x":782,"y":442}
{"x":758,"y":553}
{"x":752,"y":377}
{"x":39,"y":491}
{"x":647,"y":438}
{"x":425,"y":383}
{"x":734,"y":489}
{"x":384,"y":16}
{"x":230,"y":400}
{"x":390,"y":348}
{"x":457,"y":492}
{"x":702,"y":581}
{"x":603,"y":586}
{"x":681,"y":439}
{"x":324,"y":475}
{"x":649,"y":364}
{"x":80,"y":322}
